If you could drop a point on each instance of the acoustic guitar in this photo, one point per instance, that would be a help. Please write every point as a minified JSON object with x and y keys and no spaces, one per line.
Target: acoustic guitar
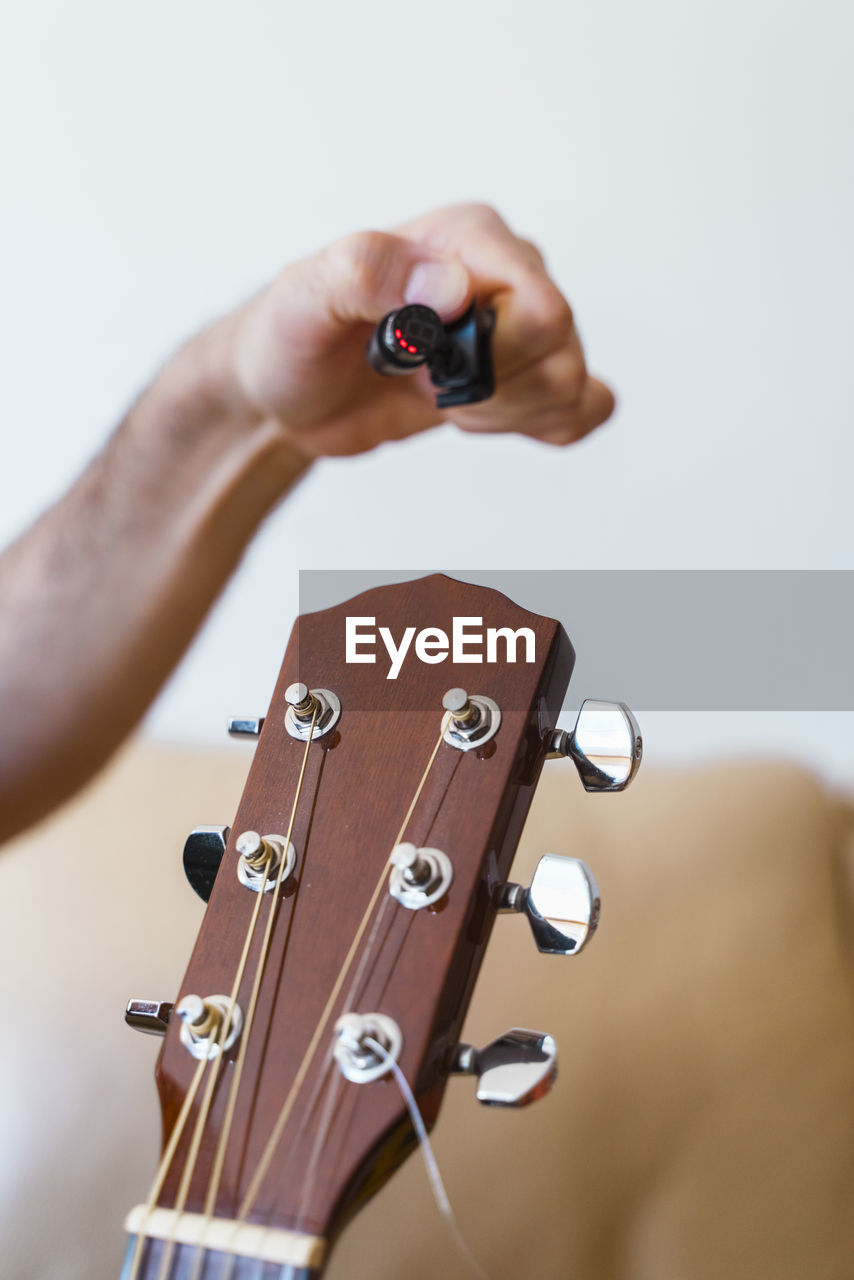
{"x":349,"y":907}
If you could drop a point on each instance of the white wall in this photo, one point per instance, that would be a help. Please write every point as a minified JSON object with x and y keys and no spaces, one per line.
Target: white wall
{"x":686,"y":168}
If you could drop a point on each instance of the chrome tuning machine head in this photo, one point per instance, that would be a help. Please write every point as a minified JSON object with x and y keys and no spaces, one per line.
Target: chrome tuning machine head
{"x":605,"y":746}
{"x":203,"y":852}
{"x":562,"y":904}
{"x":472,"y":719}
{"x":245,"y":726}
{"x":517,"y":1068}
{"x":419,"y":877}
{"x":151,"y":1017}
{"x":311,"y":712}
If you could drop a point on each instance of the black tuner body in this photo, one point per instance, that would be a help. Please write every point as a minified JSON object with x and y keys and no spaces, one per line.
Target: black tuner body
{"x":458,"y":355}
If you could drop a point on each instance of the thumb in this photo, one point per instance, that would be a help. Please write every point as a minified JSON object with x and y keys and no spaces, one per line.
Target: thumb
{"x":370,"y":273}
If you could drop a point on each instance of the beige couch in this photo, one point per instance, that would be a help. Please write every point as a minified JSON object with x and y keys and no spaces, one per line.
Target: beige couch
{"x":703,"y":1123}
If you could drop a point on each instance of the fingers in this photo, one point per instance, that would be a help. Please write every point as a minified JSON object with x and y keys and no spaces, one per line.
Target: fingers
{"x":554,"y":400}
{"x":321,"y":301}
{"x":543,"y":388}
{"x":305,"y":335}
{"x":533,"y":316}
{"x":299,"y":350}
{"x":370,"y":273}
{"x":595,"y":407}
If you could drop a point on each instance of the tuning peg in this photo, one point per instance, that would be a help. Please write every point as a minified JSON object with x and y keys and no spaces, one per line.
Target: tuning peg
{"x":245,"y":726}
{"x":149,"y":1016}
{"x":605,"y":745}
{"x":203,"y":851}
{"x":517,"y":1068}
{"x":562,"y":904}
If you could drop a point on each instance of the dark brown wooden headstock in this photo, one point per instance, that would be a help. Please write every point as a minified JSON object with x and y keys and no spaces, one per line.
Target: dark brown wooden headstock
{"x":343,"y":1140}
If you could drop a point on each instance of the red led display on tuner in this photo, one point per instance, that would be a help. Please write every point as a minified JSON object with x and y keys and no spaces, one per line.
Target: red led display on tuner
{"x":457,"y":356}
{"x":414,"y":330}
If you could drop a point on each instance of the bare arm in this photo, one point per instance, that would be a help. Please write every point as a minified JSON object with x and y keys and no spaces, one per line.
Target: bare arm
{"x":101,"y":597}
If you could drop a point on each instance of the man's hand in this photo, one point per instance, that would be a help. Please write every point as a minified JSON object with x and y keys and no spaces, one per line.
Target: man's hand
{"x":298,"y":349}
{"x":102,"y":596}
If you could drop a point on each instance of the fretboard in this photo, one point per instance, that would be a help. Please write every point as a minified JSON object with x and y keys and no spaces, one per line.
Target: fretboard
{"x":216,"y":1265}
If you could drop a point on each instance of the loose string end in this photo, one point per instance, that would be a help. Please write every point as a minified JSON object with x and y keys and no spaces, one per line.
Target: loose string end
{"x":434,"y":1177}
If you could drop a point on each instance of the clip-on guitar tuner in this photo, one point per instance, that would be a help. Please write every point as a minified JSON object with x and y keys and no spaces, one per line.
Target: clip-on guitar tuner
{"x":458,"y":355}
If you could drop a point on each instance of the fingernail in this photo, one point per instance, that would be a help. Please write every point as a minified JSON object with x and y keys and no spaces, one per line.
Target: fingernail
{"x":441,"y":285}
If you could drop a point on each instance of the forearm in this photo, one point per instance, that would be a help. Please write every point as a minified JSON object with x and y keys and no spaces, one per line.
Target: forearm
{"x":101,"y":597}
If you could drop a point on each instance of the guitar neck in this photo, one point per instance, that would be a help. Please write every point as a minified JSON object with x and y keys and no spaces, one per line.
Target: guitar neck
{"x":292,"y":1132}
{"x":184,"y":1264}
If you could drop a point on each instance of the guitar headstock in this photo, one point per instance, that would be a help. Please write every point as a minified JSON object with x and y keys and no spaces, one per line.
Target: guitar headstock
{"x":350,"y":905}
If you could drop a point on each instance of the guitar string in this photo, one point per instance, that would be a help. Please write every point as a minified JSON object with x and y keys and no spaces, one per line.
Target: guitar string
{"x":201,"y":1118}
{"x":434,"y":1177}
{"x":323,"y":1079}
{"x":328,"y":1115}
{"x":309,"y":1176}
{"x":386,"y":903}
{"x":308,"y":1112}
{"x":231,"y":1102}
{"x":358,"y":985}
{"x":320,"y":1083}
{"x":165,"y":1267}
{"x":204,"y":1110}
{"x":229,"y":1260}
{"x":319,"y":1143}
{"x":282,"y":1118}
{"x":216,"y":1062}
{"x":206,"y":1061}
{"x":160,"y":1176}
{"x":348,"y":1004}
